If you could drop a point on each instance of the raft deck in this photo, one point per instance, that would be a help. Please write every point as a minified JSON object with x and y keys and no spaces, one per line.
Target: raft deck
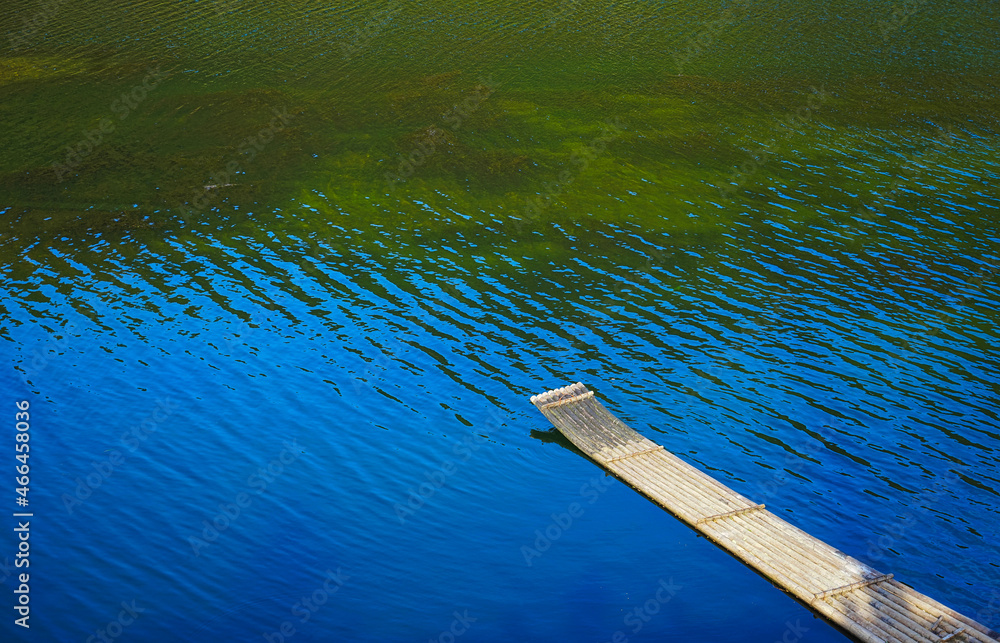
{"x":871,"y":606}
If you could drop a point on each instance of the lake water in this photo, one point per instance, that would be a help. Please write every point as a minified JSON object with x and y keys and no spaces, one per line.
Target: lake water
{"x":279,"y":281}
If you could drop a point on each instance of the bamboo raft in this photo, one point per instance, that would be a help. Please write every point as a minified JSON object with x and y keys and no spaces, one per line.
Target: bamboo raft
{"x":869,"y":605}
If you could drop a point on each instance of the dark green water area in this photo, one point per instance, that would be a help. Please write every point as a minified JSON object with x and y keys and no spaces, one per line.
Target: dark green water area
{"x":395,"y":112}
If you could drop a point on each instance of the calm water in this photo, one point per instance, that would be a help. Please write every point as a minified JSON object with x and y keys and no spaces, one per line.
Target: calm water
{"x":279,"y":268}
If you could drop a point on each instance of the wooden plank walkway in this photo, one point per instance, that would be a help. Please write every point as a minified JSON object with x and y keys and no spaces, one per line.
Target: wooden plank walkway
{"x":869,"y":605}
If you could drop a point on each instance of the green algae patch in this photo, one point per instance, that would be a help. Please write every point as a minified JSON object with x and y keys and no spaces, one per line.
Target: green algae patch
{"x":22,"y":69}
